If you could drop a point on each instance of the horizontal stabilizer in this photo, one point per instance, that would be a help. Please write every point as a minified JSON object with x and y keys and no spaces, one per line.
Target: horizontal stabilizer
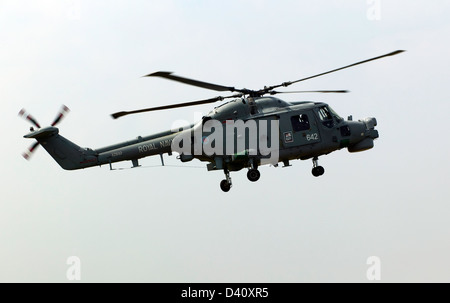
{"x":42,"y":133}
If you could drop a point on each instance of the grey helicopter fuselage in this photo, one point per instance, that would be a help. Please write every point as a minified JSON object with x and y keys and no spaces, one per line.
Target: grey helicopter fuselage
{"x":306,"y":130}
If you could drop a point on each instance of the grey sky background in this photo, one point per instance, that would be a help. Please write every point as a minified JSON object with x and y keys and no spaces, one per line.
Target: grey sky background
{"x":174,"y":224}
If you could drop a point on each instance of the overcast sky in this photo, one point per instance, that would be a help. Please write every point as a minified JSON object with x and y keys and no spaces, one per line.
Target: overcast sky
{"x":174,"y":224}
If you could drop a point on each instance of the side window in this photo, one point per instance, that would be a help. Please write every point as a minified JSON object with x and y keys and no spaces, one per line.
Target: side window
{"x":300,"y":122}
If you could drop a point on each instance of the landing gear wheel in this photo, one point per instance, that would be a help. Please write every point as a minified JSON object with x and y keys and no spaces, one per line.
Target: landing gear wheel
{"x":225,"y":186}
{"x":318,"y":171}
{"x":253,"y":174}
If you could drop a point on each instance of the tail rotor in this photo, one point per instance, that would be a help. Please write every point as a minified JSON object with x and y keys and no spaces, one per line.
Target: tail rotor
{"x":64,"y":110}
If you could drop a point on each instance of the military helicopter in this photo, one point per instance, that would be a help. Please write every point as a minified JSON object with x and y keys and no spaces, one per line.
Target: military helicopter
{"x":233,"y":136}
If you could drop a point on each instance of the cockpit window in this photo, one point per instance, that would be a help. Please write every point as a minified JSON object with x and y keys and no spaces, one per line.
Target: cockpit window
{"x":325,"y":116}
{"x":300,"y":122}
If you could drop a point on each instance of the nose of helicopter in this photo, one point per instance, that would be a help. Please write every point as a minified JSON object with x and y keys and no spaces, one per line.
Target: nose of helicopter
{"x":370,"y":123}
{"x":363,"y":134}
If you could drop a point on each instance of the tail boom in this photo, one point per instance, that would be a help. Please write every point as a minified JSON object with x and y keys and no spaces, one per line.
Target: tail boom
{"x":70,"y":156}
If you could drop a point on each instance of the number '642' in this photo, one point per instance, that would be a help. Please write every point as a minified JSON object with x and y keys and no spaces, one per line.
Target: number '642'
{"x":314,"y":136}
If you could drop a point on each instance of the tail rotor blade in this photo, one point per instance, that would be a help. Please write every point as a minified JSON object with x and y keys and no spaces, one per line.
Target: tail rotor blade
{"x":30,"y":150}
{"x":24,"y":114}
{"x":62,"y":112}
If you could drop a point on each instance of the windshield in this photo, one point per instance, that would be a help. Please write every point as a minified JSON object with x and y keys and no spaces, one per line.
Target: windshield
{"x":338,"y":118}
{"x":326,"y":115}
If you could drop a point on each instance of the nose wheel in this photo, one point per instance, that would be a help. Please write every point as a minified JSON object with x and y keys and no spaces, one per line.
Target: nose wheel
{"x":225,"y":184}
{"x":317,"y":169}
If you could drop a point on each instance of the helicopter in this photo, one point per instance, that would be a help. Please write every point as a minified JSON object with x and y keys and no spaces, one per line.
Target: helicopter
{"x":253,"y":129}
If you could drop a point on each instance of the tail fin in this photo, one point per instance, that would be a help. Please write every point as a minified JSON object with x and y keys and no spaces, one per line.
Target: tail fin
{"x":68,"y":155}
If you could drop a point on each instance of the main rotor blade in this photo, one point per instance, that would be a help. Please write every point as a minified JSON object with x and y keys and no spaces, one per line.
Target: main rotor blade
{"x":23,"y":113}
{"x":30,"y":150}
{"x":171,"y":76}
{"x":337,"y":69}
{"x":62,"y":112}
{"x":211,"y":100}
{"x":310,"y":91}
